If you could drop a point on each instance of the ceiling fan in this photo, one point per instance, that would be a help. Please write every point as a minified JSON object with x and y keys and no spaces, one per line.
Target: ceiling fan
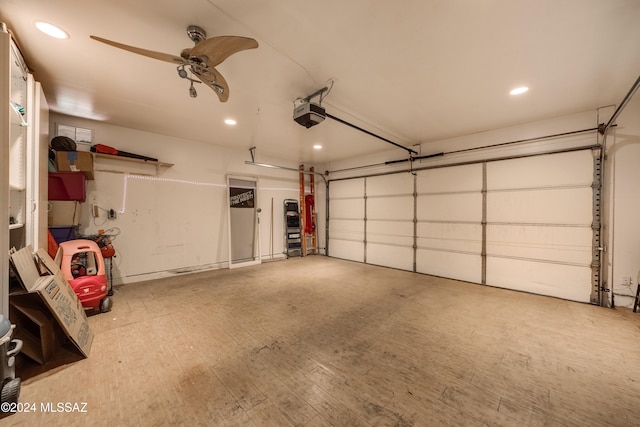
{"x":201,"y":59}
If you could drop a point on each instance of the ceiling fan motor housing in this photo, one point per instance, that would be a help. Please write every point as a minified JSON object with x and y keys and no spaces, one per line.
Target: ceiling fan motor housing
{"x":196,"y":33}
{"x":309,"y":114}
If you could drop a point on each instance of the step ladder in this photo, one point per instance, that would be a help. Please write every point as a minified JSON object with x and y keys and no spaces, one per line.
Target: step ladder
{"x":292,"y":227}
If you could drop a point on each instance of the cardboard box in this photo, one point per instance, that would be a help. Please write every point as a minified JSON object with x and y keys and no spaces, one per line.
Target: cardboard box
{"x":75,"y":161}
{"x":56,"y":293}
{"x":64,"y":212}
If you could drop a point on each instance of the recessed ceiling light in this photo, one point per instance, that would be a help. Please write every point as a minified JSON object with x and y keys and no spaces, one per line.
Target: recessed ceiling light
{"x":317,"y":147}
{"x":51,"y":30}
{"x":230,"y":122}
{"x":519,"y":90}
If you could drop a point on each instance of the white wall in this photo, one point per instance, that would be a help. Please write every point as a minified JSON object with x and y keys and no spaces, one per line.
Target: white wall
{"x":175,"y":219}
{"x":572,"y":122}
{"x":624,"y":155}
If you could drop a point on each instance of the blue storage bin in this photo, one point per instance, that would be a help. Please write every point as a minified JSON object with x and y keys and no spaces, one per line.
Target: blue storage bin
{"x":63,"y":233}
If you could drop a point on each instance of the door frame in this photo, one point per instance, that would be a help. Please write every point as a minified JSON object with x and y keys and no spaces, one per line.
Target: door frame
{"x":257,"y":253}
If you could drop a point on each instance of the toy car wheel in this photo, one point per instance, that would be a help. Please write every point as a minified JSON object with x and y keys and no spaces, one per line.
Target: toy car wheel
{"x":105,"y":305}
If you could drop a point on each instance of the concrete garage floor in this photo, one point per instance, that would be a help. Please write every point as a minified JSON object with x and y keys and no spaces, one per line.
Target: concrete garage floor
{"x":318,"y":341}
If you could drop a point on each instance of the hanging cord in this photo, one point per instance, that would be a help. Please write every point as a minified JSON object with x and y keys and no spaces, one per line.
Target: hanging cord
{"x":326,"y":91}
{"x":112,"y":232}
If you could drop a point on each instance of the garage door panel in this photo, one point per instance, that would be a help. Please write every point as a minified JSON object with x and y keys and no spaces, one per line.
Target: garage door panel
{"x":539,"y":214}
{"x":575,"y":168}
{"x":447,"y":236}
{"x":346,"y":229}
{"x":453,"y":265}
{"x":390,"y":256}
{"x":450,"y":179}
{"x":390,"y":185}
{"x":347,"y":188}
{"x":554,"y":244}
{"x":393,"y":208}
{"x":347,"y":208}
{"x":450,"y":207}
{"x":544,"y":206}
{"x":346,"y":222}
{"x":390,"y":232}
{"x":344,"y":249}
{"x":556,"y":280}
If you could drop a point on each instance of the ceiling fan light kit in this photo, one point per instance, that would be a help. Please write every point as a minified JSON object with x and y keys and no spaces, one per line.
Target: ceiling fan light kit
{"x":201,"y":59}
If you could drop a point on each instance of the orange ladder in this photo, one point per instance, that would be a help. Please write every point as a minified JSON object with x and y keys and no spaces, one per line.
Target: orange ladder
{"x":303,"y":212}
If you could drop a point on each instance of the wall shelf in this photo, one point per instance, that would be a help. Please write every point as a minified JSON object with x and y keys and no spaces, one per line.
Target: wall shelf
{"x":15,"y":226}
{"x":18,"y":119}
{"x":131,"y":159}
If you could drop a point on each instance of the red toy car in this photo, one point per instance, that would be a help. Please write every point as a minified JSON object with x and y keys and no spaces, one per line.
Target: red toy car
{"x":82,"y":265}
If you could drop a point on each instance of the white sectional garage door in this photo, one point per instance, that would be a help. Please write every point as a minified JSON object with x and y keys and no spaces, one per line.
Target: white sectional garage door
{"x":389,"y":227}
{"x":522,"y":224}
{"x":539,"y":224}
{"x":346,"y":224}
{"x":449,"y":218}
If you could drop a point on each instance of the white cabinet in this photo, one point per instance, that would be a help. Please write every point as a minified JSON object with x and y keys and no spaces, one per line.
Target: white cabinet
{"x":18,"y":140}
{"x":23,"y":159}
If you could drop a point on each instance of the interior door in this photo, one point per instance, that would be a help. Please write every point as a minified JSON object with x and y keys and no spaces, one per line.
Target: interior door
{"x":244,"y":246}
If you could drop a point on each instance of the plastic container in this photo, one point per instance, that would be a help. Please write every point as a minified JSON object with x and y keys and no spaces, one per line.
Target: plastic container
{"x":62,"y":233}
{"x":67,"y":186}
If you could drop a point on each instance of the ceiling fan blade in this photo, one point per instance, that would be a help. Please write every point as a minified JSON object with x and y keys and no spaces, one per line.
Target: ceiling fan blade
{"x":217,"y":49}
{"x":148,"y":53}
{"x":212,"y":78}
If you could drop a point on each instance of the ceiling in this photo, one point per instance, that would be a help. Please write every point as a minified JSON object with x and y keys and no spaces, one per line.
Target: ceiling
{"x":413,"y":71}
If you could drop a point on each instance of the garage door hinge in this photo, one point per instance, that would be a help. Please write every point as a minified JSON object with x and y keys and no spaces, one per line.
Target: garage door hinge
{"x":603,"y":289}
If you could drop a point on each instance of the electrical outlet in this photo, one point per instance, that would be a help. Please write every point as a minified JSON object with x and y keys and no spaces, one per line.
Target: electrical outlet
{"x":112,"y":214}
{"x":96,"y":211}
